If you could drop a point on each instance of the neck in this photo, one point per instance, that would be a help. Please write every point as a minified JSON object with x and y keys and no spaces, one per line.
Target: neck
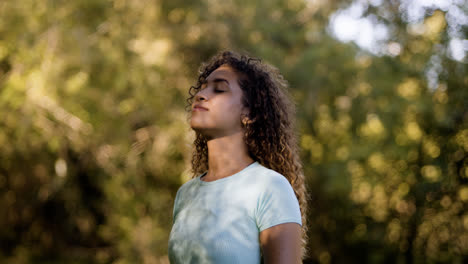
{"x":227,"y":155}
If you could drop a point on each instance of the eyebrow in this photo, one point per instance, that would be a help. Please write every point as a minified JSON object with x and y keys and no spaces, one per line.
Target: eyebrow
{"x":217,"y":80}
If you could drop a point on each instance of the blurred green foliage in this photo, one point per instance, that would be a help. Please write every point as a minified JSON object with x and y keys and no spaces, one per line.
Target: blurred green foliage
{"x":94,"y":140}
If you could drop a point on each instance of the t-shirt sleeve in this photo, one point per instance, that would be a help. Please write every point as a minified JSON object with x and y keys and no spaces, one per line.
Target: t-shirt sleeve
{"x":277,"y":204}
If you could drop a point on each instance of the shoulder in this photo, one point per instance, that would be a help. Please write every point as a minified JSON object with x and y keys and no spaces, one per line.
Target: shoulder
{"x":187,"y":187}
{"x":266,"y":183}
{"x":269,"y":177}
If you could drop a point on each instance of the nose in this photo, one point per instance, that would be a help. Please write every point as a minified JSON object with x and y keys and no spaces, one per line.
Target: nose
{"x":200,"y":96}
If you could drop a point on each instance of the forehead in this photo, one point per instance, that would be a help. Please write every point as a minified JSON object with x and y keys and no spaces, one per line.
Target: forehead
{"x":223,"y":71}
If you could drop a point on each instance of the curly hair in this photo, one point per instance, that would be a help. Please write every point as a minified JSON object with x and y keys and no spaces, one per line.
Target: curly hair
{"x":270,"y":134}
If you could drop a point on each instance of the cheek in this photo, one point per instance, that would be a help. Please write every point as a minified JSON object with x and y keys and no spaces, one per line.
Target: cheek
{"x":227,"y":110}
{"x":234,"y":108}
{"x":227,"y":114}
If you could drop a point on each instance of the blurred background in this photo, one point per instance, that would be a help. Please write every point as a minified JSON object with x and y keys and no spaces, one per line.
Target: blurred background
{"x":94,"y":140}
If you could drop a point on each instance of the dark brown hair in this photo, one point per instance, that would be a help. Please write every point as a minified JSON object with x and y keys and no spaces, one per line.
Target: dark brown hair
{"x":271,"y":133}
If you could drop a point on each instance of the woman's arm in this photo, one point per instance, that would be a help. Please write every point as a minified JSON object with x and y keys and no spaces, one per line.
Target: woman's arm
{"x":281,"y":244}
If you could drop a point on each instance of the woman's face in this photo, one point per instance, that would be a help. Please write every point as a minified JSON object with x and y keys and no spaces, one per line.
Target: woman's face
{"x":221,"y":96}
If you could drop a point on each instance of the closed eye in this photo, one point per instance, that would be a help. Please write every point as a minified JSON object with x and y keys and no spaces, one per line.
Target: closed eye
{"x":219,"y":91}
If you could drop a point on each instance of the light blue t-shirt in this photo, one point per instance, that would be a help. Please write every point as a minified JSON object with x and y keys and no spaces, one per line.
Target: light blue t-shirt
{"x":220,"y":221}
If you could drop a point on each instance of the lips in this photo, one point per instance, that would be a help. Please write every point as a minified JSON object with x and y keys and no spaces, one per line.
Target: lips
{"x":199,"y":108}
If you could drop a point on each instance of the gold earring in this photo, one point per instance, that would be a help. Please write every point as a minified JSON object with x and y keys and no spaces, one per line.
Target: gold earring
{"x":246,"y":121}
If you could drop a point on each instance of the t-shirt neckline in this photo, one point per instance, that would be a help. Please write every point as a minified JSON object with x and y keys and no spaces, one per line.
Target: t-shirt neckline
{"x":225,"y":179}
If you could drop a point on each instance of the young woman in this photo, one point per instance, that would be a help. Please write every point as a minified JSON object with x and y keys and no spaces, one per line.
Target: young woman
{"x":246,"y":201}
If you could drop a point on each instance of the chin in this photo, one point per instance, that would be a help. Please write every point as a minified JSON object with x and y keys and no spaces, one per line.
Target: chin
{"x":206,"y":132}
{"x":198,"y":127}
{"x":196,"y":123}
